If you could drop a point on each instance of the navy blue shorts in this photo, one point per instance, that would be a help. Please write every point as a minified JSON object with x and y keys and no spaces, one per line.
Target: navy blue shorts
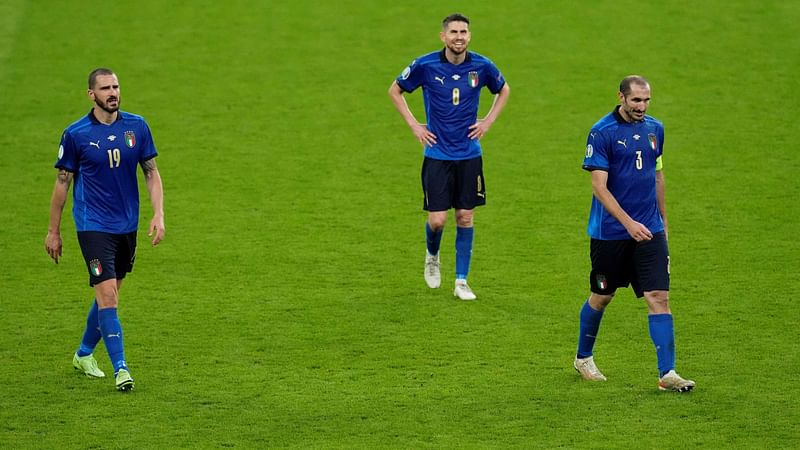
{"x":108,"y":256}
{"x":643,"y":265}
{"x":453,"y":184}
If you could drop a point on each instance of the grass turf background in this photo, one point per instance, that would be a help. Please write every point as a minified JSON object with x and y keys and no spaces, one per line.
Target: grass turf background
{"x":286,"y":307}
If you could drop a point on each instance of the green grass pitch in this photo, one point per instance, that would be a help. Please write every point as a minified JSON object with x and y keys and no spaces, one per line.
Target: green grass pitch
{"x":286,"y":307}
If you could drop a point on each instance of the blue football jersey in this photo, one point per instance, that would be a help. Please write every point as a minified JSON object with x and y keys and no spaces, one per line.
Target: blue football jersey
{"x":451,"y":94}
{"x":629,"y":153}
{"x":104,"y":160}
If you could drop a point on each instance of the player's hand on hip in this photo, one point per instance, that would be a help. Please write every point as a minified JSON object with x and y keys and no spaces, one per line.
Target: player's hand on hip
{"x":53,"y":245}
{"x":639,"y":232}
{"x":478,"y":129}
{"x":156,"y":230}
{"x":424,"y":135}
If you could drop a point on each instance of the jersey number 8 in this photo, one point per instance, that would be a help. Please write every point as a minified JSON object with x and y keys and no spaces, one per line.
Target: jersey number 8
{"x":456,"y":96}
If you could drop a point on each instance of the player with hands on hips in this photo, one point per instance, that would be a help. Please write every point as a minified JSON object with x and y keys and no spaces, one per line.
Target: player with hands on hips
{"x":452,"y":170}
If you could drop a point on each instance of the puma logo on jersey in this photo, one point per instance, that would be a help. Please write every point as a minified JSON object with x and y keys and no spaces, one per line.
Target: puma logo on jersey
{"x":440,"y":79}
{"x":623,"y":143}
{"x":96,"y":144}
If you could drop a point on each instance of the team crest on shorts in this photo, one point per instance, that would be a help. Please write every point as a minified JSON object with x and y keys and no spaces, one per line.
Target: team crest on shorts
{"x":95,"y":267}
{"x":653,"y":141}
{"x":130,"y":139}
{"x":601,"y":281}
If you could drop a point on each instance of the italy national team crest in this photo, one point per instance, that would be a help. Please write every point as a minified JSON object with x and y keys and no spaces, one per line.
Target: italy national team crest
{"x":130,"y":139}
{"x":95,"y":267}
{"x":473,"y":79}
{"x":601,"y":281}
{"x":653,"y":141}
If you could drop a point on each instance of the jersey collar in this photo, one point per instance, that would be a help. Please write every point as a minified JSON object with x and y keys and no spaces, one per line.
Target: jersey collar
{"x":443,"y":57}
{"x":618,"y":116}
{"x":97,"y":122}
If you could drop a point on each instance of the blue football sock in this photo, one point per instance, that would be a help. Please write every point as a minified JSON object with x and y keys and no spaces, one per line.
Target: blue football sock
{"x":91,"y":335}
{"x":590,"y":325}
{"x":112,"y":337}
{"x":433,"y":239}
{"x":663,"y":336}
{"x":463,"y":251}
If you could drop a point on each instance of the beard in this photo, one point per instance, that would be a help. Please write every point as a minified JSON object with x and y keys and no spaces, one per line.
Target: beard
{"x":457,"y":51}
{"x":105,"y":105}
{"x":633,"y":114}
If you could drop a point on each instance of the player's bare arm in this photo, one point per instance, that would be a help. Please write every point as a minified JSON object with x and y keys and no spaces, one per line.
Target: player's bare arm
{"x":638,"y":231}
{"x":481,"y":127}
{"x":421,"y":132}
{"x":148,"y":167}
{"x":53,"y":242}
{"x":156,"y":191}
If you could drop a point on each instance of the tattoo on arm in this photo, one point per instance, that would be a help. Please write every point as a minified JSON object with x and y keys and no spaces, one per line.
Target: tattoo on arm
{"x":148,"y":167}
{"x":64,"y":176}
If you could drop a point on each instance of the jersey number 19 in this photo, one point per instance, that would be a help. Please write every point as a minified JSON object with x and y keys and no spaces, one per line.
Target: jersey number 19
{"x":113,"y":158}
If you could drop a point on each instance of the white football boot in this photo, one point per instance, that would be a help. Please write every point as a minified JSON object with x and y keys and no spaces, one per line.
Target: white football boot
{"x":432,"y":275}
{"x":588,"y":370}
{"x":462,"y":291}
{"x":671,"y":381}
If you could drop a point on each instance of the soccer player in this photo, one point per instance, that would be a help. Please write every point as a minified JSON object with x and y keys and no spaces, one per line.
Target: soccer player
{"x":101,"y":152}
{"x":628,"y":227}
{"x":452,"y":170}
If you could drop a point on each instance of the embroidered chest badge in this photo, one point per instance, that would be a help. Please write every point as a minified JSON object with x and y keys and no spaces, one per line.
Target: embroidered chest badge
{"x":473,"y":79}
{"x":130,"y":139}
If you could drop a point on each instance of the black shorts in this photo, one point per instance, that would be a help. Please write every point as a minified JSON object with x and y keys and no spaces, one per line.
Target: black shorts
{"x":108,"y":256}
{"x":453,"y":184}
{"x":644,"y":265}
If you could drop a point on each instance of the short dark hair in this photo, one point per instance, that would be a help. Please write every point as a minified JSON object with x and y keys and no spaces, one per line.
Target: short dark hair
{"x":97,"y":72}
{"x":457,"y":17}
{"x":625,"y":84}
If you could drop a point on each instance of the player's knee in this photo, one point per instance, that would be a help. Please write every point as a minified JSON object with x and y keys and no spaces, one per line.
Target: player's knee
{"x":107,"y":294}
{"x":600,"y":301}
{"x":437,"y":221}
{"x":465,"y":223}
{"x":464,"y":218}
{"x":657,"y":301}
{"x":658,"y":296}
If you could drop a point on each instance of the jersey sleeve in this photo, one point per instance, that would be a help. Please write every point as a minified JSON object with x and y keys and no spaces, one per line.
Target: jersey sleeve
{"x":412,"y":77}
{"x":148,"y":147}
{"x":596,"y":157}
{"x":68,"y":158}
{"x":494,"y":79}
